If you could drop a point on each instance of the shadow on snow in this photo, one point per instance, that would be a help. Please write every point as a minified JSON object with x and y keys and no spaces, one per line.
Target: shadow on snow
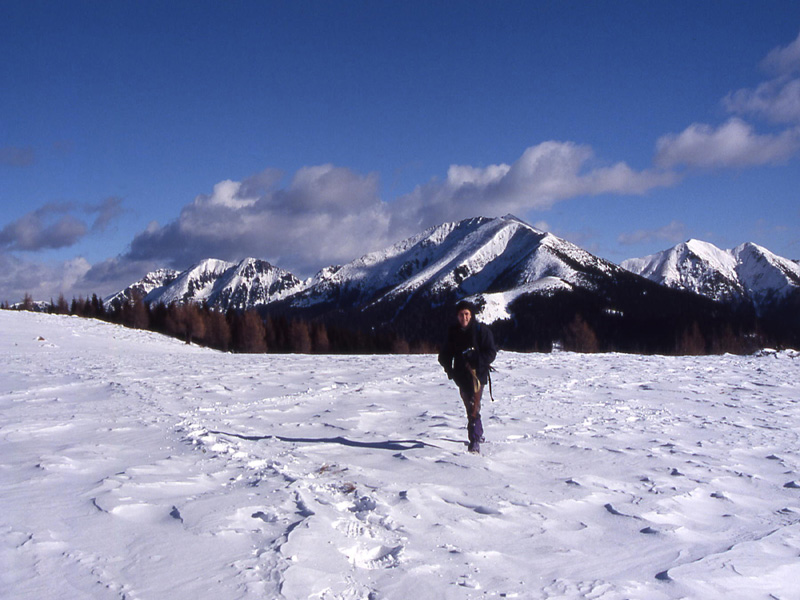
{"x":342,"y":441}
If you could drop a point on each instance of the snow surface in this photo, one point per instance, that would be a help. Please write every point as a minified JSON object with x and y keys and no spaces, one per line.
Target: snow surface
{"x":496,"y":304}
{"x":134,"y":466}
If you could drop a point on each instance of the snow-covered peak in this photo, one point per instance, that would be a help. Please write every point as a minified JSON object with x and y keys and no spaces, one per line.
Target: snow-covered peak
{"x":477,"y":255}
{"x":249,"y":283}
{"x":195,"y":283}
{"x":253,"y":282}
{"x":474,"y":256}
{"x":388,"y":269}
{"x":746,"y":272}
{"x":722,"y":260}
{"x":762,"y":272}
{"x":152,"y":281}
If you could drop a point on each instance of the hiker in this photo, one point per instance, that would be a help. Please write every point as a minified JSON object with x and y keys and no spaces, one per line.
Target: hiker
{"x":466,"y":356}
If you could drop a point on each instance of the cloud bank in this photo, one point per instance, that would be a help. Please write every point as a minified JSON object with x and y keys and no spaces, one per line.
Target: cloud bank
{"x":327,"y":214}
{"x":48,"y":227}
{"x":42,"y":281}
{"x":323,"y":212}
{"x":55,"y":225}
{"x":733,"y":144}
{"x":545,"y":174}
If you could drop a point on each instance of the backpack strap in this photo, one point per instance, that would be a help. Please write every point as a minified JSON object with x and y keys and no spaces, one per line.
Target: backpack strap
{"x":478,"y":343}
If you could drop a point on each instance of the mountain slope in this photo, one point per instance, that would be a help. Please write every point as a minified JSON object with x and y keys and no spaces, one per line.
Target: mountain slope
{"x":220,"y":284}
{"x":747,"y":273}
{"x":473,"y":256}
{"x":765,"y":275}
{"x":154,"y":280}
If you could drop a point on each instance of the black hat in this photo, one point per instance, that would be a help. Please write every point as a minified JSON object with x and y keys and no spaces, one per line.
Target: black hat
{"x":466,"y":304}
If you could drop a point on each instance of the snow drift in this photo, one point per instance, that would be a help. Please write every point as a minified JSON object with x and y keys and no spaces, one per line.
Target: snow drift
{"x":135,"y":466}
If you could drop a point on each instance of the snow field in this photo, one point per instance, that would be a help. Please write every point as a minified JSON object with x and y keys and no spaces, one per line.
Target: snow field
{"x":135,"y":466}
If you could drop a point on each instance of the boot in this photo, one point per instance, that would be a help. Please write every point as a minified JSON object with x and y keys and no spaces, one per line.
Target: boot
{"x":475,"y":429}
{"x":475,"y":434}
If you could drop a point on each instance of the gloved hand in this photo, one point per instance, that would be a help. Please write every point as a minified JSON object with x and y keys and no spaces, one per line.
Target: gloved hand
{"x":471,"y":356}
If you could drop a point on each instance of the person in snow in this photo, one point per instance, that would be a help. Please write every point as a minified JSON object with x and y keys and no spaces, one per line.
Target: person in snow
{"x":467,"y":353}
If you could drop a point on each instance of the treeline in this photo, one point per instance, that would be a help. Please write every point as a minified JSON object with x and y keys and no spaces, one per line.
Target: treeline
{"x":233,"y":331}
{"x":625,"y":317}
{"x":670,"y":322}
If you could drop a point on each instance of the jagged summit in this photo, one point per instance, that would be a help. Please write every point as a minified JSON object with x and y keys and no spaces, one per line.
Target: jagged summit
{"x":197,"y":283}
{"x":693,"y":265}
{"x":220,"y":284}
{"x":140,"y":289}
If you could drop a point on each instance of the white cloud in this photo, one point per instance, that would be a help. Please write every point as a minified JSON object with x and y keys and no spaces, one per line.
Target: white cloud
{"x":542,"y":225}
{"x":226,"y":193}
{"x":43,"y":281}
{"x":674,"y":232}
{"x":50,"y":226}
{"x":327,"y":214}
{"x":784,"y":60}
{"x":54,"y":225}
{"x":777,"y":100}
{"x":735,"y":143}
{"x":732,"y":144}
{"x":462,"y":175}
{"x":545,"y":174}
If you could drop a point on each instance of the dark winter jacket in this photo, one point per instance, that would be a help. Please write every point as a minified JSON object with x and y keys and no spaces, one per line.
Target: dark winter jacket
{"x":473,"y":346}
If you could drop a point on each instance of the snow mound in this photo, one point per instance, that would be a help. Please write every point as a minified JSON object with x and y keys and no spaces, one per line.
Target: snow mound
{"x":136,"y":466}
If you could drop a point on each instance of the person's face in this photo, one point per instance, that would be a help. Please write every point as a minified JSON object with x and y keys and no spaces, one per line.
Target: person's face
{"x":464,"y":317}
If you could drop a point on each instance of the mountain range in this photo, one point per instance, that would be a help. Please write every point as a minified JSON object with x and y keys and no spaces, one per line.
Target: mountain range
{"x":223,"y":285}
{"x":531,"y":284}
{"x":747,"y":273}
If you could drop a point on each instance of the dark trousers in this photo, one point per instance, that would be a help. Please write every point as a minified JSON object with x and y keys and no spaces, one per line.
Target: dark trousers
{"x":474,"y":426}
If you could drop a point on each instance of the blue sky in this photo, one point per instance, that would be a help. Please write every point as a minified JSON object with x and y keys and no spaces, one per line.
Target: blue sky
{"x":136,"y":135}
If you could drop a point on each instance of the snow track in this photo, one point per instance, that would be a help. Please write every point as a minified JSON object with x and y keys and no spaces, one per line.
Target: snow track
{"x":133,"y":466}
